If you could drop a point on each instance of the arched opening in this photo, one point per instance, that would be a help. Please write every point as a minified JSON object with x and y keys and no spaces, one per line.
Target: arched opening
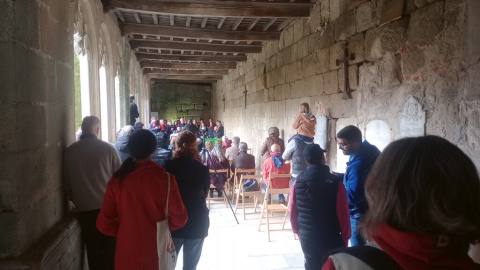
{"x":118,"y":124}
{"x":82,"y":80}
{"x":103,"y":103}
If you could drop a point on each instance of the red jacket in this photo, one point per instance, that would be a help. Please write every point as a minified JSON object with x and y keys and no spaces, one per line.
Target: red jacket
{"x":269,"y":167}
{"x":139,"y":203}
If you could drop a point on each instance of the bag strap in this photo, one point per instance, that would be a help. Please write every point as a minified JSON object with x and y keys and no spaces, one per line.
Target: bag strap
{"x":373,"y":257}
{"x":168,"y":196}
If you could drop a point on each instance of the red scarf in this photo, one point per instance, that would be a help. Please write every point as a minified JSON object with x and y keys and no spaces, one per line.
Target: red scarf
{"x":414,"y":251}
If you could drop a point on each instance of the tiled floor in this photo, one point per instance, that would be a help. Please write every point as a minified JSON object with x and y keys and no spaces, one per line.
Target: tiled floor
{"x":241,"y":246}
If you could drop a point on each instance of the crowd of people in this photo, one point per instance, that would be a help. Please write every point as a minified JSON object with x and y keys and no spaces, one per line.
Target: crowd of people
{"x":413,"y":206}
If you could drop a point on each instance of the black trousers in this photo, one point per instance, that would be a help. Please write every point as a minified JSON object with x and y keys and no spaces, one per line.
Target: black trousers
{"x":100,"y":248}
{"x":314,"y":248}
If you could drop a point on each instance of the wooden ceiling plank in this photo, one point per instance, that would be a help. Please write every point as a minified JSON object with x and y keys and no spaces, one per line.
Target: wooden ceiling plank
{"x":215,"y":8}
{"x":192,"y":58}
{"x":204,"y":22}
{"x":220,"y":23}
{"x":182,"y":32}
{"x":197,"y":82}
{"x":185,"y":72}
{"x":189,"y":66}
{"x":137,"y":18}
{"x":237,"y":23}
{"x":186,"y":77}
{"x":272,"y":21}
{"x":190,"y":46}
{"x":253,"y":23}
{"x":284,"y":24}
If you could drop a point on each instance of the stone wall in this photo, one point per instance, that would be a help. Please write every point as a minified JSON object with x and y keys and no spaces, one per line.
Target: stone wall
{"x":173,"y":101}
{"x":37,"y":112}
{"x":431,"y":53}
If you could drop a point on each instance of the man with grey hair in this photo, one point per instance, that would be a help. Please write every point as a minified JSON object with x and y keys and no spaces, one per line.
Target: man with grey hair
{"x":232,"y":151}
{"x":122,"y":141}
{"x":89,"y":164}
{"x":245,"y":161}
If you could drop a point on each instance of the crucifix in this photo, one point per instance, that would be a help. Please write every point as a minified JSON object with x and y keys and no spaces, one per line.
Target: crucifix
{"x":223,"y":99}
{"x":245,"y":93}
{"x":344,"y":60}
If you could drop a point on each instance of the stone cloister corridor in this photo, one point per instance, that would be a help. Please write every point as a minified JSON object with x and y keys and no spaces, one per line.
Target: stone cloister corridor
{"x":394,"y":68}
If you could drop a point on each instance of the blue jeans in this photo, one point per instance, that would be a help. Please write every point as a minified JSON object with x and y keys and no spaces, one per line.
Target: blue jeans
{"x":192,"y":249}
{"x":357,"y":238}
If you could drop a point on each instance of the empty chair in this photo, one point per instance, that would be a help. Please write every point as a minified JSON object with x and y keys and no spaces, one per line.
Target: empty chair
{"x":255,"y":194}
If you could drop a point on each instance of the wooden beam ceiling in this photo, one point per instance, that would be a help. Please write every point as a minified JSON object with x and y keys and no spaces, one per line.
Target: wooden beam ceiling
{"x":195,"y":46}
{"x":184,"y":72}
{"x":186,"y":77}
{"x":183,"y":32}
{"x":192,"y":58}
{"x":215,"y":8}
{"x":188,"y":66}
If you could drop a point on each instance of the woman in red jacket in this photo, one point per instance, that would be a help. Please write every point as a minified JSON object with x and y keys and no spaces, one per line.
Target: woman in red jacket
{"x":135,"y":201}
{"x":423,"y":195}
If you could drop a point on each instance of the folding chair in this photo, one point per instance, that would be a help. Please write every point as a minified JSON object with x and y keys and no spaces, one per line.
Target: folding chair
{"x":228,"y":186}
{"x":273,"y":188}
{"x":236,"y":180}
{"x":223,"y":198}
{"x":255,"y":194}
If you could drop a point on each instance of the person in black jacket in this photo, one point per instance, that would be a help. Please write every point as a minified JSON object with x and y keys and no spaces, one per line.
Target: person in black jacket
{"x":133,"y":111}
{"x":121,"y":144}
{"x":319,"y":209}
{"x":193,"y":179}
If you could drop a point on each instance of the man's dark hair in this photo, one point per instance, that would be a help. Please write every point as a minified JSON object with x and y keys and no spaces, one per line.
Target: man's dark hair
{"x":132,"y":97}
{"x":313,"y":154}
{"x":350,"y":133}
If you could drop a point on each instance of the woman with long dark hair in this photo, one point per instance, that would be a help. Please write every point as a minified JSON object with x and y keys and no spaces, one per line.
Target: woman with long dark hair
{"x":135,"y":201}
{"x":193,"y":181}
{"x":423,"y":196}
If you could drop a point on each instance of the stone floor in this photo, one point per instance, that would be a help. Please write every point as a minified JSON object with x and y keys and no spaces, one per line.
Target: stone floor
{"x":241,"y":246}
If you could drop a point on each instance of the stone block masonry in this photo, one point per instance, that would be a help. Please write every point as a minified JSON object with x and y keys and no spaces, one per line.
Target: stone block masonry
{"x":428,"y":54}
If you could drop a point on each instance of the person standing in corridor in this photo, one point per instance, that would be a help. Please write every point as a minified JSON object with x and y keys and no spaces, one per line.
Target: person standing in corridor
{"x":133,"y":111}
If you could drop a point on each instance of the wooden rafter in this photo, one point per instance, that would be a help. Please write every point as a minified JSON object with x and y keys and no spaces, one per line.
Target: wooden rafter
{"x":284,"y":23}
{"x":188,"y":66}
{"x":182,"y":32}
{"x":185,"y":77}
{"x":172,"y":20}
{"x":185,"y":72}
{"x":155,"y":18}
{"x":189,"y":20}
{"x":272,"y":21}
{"x":220,"y":23}
{"x":192,"y":58}
{"x":204,"y":22}
{"x":215,"y":8}
{"x":253,"y":23}
{"x":197,"y":82}
{"x":137,"y":18}
{"x":237,"y":23}
{"x":193,"y":46}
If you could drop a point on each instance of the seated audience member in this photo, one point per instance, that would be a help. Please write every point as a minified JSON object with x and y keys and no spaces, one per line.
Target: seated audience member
{"x":319,"y":209}
{"x":423,"y":209}
{"x":135,"y":201}
{"x":122,"y":142}
{"x":191,"y":127}
{"x":153,"y":123}
{"x":182,"y":123}
{"x":275,"y":165}
{"x":273,"y":138}
{"x":232,"y":151}
{"x":220,"y":131}
{"x":245,"y":161}
{"x":216,"y":161}
{"x":138,"y":126}
{"x":226,"y":143}
{"x":194,"y":122}
{"x":203,"y":131}
{"x":210,"y":128}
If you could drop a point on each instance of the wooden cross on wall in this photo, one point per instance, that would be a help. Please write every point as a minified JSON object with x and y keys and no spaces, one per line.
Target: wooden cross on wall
{"x":245,"y":93}
{"x":223,"y":99}
{"x":344,"y":60}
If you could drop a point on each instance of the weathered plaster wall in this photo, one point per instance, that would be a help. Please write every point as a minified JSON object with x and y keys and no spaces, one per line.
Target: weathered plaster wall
{"x":431,"y":53}
{"x":173,"y":101}
{"x":37,"y":113}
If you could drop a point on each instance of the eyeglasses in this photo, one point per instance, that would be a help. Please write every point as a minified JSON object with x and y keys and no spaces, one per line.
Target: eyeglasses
{"x":342,"y":145}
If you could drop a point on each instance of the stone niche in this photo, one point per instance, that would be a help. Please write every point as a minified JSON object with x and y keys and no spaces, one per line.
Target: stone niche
{"x":172,"y":101}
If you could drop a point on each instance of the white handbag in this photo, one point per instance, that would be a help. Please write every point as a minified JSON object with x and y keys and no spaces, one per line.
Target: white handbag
{"x":167,"y":255}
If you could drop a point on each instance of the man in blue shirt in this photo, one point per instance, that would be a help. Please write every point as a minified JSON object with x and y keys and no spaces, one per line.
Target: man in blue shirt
{"x":362,"y":157}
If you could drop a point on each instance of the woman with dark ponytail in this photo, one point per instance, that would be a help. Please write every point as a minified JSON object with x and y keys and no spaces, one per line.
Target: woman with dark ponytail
{"x":193,"y":182}
{"x":135,"y":201}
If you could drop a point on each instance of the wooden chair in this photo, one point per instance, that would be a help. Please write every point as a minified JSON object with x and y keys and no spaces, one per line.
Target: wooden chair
{"x":236,"y":180}
{"x":275,"y":208}
{"x":223,"y":198}
{"x":228,"y":186}
{"x":255,"y":194}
